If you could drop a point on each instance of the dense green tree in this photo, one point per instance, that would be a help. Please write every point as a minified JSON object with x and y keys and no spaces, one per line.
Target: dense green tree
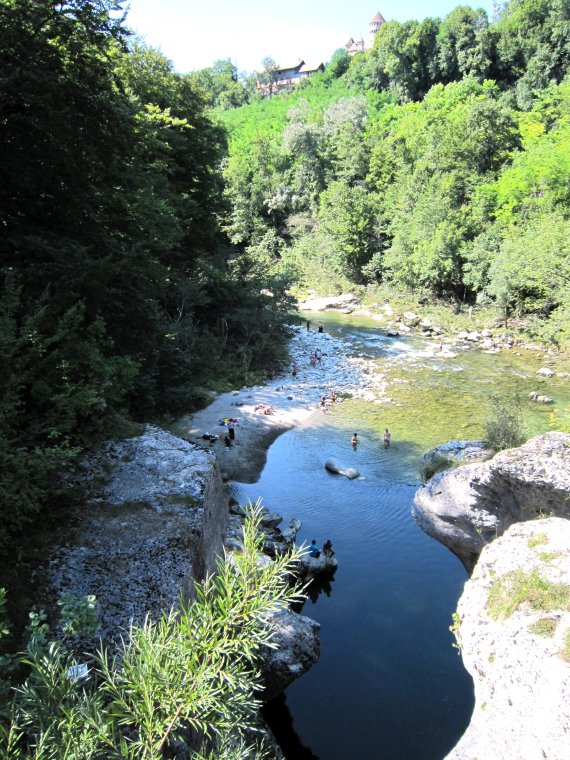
{"x":221,"y":85}
{"x":533,"y":45}
{"x":465,"y":47}
{"x":404,"y":58}
{"x":113,"y":268}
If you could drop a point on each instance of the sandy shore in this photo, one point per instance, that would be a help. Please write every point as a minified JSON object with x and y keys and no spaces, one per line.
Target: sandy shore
{"x":292,"y":400}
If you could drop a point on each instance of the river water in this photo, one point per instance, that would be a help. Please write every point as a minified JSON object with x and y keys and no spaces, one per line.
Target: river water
{"x":389,"y":684}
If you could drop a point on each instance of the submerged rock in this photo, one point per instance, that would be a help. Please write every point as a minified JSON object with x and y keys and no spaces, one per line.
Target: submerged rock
{"x":468,"y":507}
{"x":540,"y":399}
{"x":522,"y":681}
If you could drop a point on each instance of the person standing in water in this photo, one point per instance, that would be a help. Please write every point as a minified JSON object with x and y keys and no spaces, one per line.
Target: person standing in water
{"x":354,"y":440}
{"x":387,"y":439}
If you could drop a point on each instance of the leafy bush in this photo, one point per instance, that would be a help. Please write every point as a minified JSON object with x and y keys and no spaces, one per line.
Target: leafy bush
{"x":505,"y":429}
{"x":429,"y":467}
{"x":191,"y":677}
{"x":517,"y":587}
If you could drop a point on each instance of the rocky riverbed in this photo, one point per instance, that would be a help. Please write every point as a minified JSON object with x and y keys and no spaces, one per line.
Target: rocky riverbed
{"x":291,"y":399}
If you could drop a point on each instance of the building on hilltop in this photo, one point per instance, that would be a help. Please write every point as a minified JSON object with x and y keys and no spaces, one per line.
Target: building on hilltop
{"x":286,"y":78}
{"x":359,"y":46}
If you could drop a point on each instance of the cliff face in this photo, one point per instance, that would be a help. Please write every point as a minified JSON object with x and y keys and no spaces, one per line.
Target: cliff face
{"x":468,"y":507}
{"x":158,"y":519}
{"x":513,"y":621}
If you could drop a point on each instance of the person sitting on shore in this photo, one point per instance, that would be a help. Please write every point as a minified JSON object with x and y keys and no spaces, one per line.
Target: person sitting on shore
{"x":328,"y":550}
{"x":387,"y":439}
{"x":314,"y":550}
{"x":354,"y":440}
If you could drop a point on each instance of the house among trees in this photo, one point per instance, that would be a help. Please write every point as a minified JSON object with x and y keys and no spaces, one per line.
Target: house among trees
{"x":275,"y":80}
{"x":359,"y":46}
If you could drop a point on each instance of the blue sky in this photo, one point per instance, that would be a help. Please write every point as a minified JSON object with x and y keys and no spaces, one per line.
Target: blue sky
{"x":193,"y":34}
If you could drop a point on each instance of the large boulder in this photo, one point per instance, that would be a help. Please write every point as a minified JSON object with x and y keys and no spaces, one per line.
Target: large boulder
{"x":297,"y":647}
{"x":516,"y":660}
{"x":468,"y":507}
{"x":313,"y":567}
{"x":339,"y":469}
{"x":457,"y":452}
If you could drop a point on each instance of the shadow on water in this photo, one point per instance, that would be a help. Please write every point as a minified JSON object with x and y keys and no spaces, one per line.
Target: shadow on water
{"x":279,"y":717}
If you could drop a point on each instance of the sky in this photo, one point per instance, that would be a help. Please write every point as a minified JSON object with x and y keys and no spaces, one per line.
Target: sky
{"x":195,"y":33}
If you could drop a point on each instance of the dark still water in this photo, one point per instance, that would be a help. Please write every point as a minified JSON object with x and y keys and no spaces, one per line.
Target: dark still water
{"x":389,"y":683}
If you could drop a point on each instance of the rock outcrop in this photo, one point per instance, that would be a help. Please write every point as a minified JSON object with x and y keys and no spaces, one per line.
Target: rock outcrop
{"x":315,"y":567}
{"x":522,"y":681}
{"x":468,"y":507}
{"x":158,"y":519}
{"x":457,"y":452}
{"x":297,"y":648}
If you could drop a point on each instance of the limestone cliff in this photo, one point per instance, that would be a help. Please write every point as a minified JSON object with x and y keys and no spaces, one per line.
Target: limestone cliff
{"x":468,"y":507}
{"x":514,"y":625}
{"x":157,"y":519}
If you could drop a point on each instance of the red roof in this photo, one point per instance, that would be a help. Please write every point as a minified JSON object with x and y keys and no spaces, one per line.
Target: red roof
{"x":378,"y":18}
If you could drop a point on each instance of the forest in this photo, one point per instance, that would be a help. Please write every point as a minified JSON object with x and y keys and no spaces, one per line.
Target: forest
{"x":157,"y":226}
{"x":121,"y":296}
{"x":436,"y":165}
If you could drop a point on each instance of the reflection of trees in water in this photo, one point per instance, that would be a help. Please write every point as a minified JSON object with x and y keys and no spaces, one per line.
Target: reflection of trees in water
{"x":317,"y":586}
{"x":280,"y":721}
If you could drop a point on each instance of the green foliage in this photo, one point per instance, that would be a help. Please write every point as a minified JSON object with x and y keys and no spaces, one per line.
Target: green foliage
{"x":566,"y":647}
{"x":431,"y":466}
{"x":538,"y":540}
{"x":115,"y":278}
{"x":464,"y":190}
{"x":221,"y":85}
{"x":79,"y":614}
{"x":509,"y":591}
{"x":505,"y":429}
{"x":191,"y":675}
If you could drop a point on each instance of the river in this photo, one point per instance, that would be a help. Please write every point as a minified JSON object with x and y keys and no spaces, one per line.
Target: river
{"x":389,"y":684}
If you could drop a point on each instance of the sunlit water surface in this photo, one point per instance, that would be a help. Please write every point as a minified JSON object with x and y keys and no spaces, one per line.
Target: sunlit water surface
{"x":389,"y":683}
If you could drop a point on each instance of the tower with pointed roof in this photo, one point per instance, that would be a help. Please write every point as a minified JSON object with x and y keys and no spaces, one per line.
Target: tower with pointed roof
{"x":359,"y":46}
{"x":375,"y":25}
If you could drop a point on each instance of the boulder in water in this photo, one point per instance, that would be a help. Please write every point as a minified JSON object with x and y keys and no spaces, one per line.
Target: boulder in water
{"x":311,"y":567}
{"x":338,"y":469}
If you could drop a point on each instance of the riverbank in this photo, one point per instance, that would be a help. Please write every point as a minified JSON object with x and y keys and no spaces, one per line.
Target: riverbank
{"x":478,"y":327}
{"x":291,"y":400}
